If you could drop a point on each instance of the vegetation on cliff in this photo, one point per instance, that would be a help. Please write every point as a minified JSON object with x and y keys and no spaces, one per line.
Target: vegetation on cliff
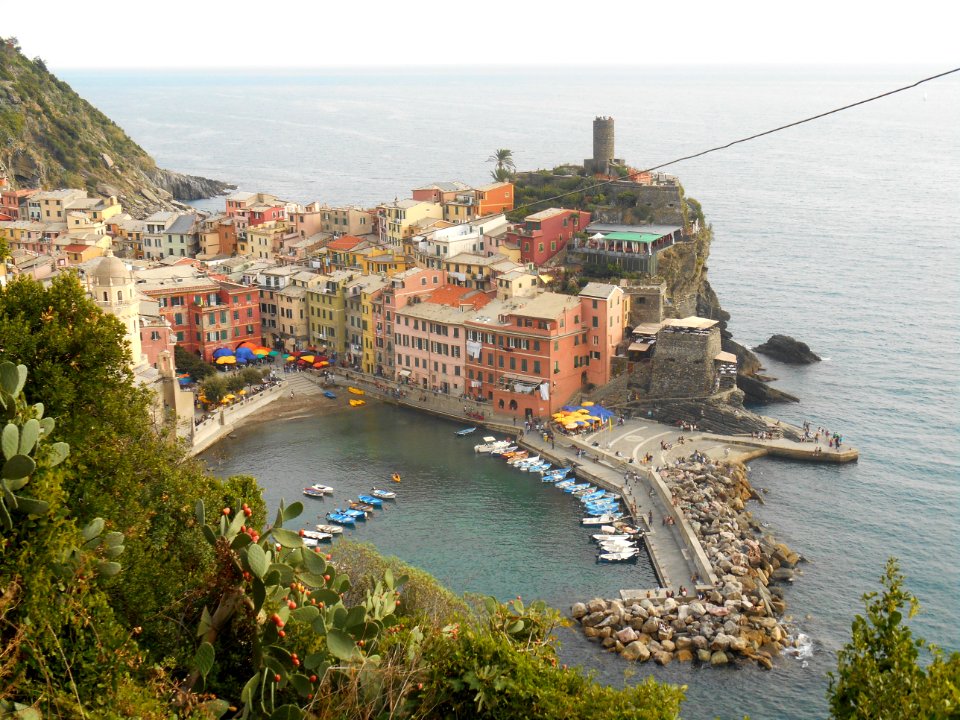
{"x":50,"y":137}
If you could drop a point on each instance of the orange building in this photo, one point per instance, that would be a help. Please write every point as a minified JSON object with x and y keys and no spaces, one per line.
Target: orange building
{"x":495,"y":198}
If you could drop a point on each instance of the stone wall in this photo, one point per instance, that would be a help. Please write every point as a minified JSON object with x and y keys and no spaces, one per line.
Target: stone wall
{"x":225,"y":421}
{"x":646,"y":303}
{"x":683,"y":363}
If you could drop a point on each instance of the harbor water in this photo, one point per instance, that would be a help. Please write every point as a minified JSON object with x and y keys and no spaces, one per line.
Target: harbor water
{"x":841,"y":233}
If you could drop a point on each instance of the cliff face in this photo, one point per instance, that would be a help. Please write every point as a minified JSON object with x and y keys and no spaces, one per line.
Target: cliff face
{"x":50,"y":137}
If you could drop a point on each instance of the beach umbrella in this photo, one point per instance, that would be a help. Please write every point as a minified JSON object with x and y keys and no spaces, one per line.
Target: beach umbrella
{"x":323,"y":363}
{"x":291,"y":358}
{"x":241,"y":392}
{"x":307,"y":358}
{"x":318,"y":365}
{"x":227,"y":360}
{"x":221,"y":352}
{"x":245,"y":354}
{"x":261,"y":352}
{"x":247,"y":344}
{"x":274,"y":353}
{"x":571,"y":426}
{"x":587,"y":403}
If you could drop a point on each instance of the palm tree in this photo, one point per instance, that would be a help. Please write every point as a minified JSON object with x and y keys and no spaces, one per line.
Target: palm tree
{"x":503,"y":157}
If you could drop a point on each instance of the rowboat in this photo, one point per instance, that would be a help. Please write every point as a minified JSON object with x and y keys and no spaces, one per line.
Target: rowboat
{"x":605,"y":537}
{"x":355,"y":391}
{"x":490,"y":444}
{"x":578,"y":486}
{"x":395,"y":477}
{"x":383,"y":494}
{"x":363,"y":507}
{"x":332,"y":529}
{"x":618,"y":556}
{"x":370,"y":500}
{"x":318,"y":490}
{"x":563,"y":484}
{"x":465,"y":431}
{"x":352,"y":512}
{"x":504,"y":451}
{"x":605,"y":519}
{"x":595,"y":495}
{"x":341,"y":519}
{"x":317,"y":535}
{"x":357,"y":403}
{"x":515,"y":460}
{"x":330,"y":395}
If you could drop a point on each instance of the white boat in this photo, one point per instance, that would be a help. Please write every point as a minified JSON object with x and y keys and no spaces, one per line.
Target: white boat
{"x":490,"y":444}
{"x":465,"y":431}
{"x":617,"y":546}
{"x":383,"y":494}
{"x":621,"y":556}
{"x":318,"y":490}
{"x":332,"y":529}
{"x":607,"y":537}
{"x":317,"y":536}
{"x":524,"y":461}
{"x":605,"y":519}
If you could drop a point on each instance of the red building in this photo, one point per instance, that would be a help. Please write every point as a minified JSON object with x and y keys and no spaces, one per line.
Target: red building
{"x":13,"y":203}
{"x":544,"y":234}
{"x":205,"y":314}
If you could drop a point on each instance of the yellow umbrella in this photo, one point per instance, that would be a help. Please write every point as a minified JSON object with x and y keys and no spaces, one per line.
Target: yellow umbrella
{"x":587,"y":403}
{"x":227,"y":360}
{"x":230,"y":397}
{"x":241,"y":392}
{"x":307,"y":358}
{"x":571,"y":426}
{"x":291,"y":359}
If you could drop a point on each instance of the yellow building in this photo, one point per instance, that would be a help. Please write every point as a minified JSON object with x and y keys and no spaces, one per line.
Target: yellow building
{"x":326,"y":311}
{"x":371,"y":294}
{"x":400,"y":217}
{"x":264,"y":241}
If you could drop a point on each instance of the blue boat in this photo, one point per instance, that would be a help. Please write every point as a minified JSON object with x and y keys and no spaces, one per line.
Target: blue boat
{"x":370,"y":500}
{"x":355,"y":514}
{"x":383,"y":494}
{"x":578,"y":486}
{"x":603,"y":511}
{"x":466,"y":431}
{"x":329,"y":394}
{"x":340,"y":518}
{"x":595,"y":495}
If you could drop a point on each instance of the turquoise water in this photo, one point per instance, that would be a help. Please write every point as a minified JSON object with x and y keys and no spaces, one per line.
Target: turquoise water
{"x":841,"y":233}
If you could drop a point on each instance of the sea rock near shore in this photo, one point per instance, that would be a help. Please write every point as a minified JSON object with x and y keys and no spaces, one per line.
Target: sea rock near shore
{"x":740,"y":616}
{"x":787,"y":350}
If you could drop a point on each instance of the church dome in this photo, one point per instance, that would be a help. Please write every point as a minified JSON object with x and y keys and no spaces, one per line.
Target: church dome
{"x":112,"y":271}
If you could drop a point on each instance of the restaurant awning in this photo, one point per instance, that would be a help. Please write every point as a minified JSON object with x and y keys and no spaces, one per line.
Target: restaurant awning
{"x":639,"y":347}
{"x":404,"y":373}
{"x":726,"y":357}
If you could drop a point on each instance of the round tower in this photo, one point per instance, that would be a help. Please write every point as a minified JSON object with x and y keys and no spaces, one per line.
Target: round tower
{"x":603,"y":137}
{"x":112,"y":287}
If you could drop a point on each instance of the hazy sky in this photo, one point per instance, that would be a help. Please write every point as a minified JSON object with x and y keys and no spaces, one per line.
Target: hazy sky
{"x":301,"y":33}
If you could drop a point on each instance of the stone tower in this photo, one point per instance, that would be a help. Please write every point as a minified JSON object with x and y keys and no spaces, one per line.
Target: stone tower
{"x":112,"y":287}
{"x":603,"y":147}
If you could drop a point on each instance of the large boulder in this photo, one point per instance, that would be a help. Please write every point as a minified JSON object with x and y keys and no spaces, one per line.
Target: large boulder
{"x":787,"y":350}
{"x":636,"y":651}
{"x":719,"y":658}
{"x":627,"y":635}
{"x":578,"y":610}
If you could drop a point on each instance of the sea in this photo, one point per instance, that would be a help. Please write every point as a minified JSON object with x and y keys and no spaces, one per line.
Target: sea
{"x":841,"y":233}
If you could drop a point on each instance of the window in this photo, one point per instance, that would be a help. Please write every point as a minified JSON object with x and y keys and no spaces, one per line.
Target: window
{"x":523,"y":365}
{"x":594,"y":304}
{"x":536,"y":367}
{"x":596,"y":321}
{"x":178,"y":319}
{"x":500,"y":359}
{"x":553,"y":244}
{"x":536,"y":345}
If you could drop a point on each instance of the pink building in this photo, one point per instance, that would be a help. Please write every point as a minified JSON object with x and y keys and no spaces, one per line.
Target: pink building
{"x":604,"y":310}
{"x":544,"y":234}
{"x":430,"y":338}
{"x":156,"y":335}
{"x":403,"y":287}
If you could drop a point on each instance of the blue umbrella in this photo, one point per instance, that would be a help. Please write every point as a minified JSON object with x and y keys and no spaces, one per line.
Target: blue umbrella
{"x":245,"y":354}
{"x":221,"y":352}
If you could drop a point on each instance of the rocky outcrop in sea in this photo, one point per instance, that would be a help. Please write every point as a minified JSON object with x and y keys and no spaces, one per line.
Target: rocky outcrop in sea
{"x":787,"y":350}
{"x":739,"y":619}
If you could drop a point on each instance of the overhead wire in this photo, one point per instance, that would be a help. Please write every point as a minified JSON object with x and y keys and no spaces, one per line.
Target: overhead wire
{"x":635,"y":174}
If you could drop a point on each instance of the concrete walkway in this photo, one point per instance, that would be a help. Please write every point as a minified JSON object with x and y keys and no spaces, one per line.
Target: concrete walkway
{"x":664,"y":542}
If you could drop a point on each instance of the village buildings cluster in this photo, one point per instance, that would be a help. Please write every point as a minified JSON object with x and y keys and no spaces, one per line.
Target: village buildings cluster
{"x":439,"y":291}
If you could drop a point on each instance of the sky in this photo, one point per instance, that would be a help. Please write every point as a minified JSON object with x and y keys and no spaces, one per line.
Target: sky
{"x":181,"y":34}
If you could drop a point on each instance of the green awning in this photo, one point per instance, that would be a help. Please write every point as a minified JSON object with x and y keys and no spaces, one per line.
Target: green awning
{"x":632,"y":237}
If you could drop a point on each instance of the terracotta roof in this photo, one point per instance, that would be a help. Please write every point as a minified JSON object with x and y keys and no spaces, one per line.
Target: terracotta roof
{"x":456,"y":296}
{"x":77,"y":248}
{"x":347,"y":242}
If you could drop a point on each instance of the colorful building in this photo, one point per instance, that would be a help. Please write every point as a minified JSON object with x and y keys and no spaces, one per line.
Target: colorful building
{"x":400,"y":218}
{"x":14,"y":203}
{"x":544,"y":234}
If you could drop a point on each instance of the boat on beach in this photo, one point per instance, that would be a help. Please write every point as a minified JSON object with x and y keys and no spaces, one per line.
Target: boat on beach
{"x":465,"y":431}
{"x":331,"y":529}
{"x":383,"y":494}
{"x":355,"y":391}
{"x":329,"y":395}
{"x":357,"y":403}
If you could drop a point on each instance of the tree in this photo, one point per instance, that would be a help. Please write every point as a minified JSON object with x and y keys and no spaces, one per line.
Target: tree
{"x":503,"y":157}
{"x":189,"y":363}
{"x":879,"y":672}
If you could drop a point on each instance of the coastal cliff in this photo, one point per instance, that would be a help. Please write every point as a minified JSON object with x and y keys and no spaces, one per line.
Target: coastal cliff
{"x":50,"y":137}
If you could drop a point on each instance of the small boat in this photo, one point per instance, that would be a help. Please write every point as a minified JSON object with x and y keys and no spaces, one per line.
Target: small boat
{"x":363,"y":507}
{"x":332,"y":529}
{"x":310,"y":542}
{"x":357,"y":403}
{"x":355,"y":391}
{"x":563,"y":484}
{"x":604,"y":519}
{"x":595,"y":495}
{"x":604,"y":537}
{"x":352,"y":512}
{"x":383,"y":494}
{"x":618,"y":556}
{"x":329,"y":395}
{"x":539,"y":467}
{"x":504,"y":451}
{"x":578,"y":486}
{"x":490,"y":444}
{"x":317,"y":536}
{"x":395,"y":477}
{"x":465,"y":431}
{"x":556,"y":472}
{"x":318,"y":488}
{"x":599,"y":510}
{"x":313,"y":492}
{"x":340,"y":518}
{"x":370,"y":500}
{"x":525,"y":460}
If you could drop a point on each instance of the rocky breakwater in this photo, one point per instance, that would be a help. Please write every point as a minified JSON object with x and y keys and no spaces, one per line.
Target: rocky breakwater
{"x":740,"y":618}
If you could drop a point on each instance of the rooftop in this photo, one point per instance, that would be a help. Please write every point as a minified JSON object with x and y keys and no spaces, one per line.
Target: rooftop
{"x":599,"y":290}
{"x":692,"y":322}
{"x":658,"y":230}
{"x":456,"y":296}
{"x":548,"y":213}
